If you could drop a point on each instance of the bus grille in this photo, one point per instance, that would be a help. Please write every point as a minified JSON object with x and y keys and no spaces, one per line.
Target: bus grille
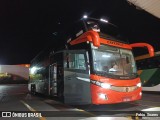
{"x":124,"y":89}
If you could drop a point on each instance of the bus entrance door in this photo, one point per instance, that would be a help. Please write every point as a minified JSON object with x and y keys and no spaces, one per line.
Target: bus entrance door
{"x":76,"y":77}
{"x":53,"y":79}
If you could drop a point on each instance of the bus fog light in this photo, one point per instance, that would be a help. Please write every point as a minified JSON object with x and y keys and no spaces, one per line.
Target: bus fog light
{"x":139,"y":85}
{"x":105,"y":85}
{"x":140,"y":93}
{"x":102,"y":96}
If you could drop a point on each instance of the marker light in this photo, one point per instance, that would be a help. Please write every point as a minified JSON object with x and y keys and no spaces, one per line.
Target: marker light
{"x":85,"y":16}
{"x":103,"y":20}
{"x":139,"y":85}
{"x":105,"y":85}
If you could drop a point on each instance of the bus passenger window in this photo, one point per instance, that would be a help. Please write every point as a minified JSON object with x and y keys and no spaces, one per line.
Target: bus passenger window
{"x":76,"y":61}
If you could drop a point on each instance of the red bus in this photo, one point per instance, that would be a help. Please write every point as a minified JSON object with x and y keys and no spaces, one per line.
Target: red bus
{"x":96,"y":67}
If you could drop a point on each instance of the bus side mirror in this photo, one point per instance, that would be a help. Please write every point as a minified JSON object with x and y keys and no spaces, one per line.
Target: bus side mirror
{"x":149,"y":47}
{"x":88,"y":36}
{"x":95,"y":38}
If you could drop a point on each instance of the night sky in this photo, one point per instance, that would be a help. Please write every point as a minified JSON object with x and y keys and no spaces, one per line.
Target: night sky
{"x":27,"y":26}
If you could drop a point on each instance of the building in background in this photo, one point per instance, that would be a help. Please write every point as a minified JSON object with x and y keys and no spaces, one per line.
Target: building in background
{"x":150,"y":6}
{"x":14,"y":73}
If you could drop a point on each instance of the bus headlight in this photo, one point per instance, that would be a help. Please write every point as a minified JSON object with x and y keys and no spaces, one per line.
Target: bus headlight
{"x":105,"y":85}
{"x":139,"y":85}
{"x":101,"y":84}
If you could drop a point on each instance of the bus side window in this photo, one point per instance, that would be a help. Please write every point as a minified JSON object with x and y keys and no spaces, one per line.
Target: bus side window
{"x":75,"y":61}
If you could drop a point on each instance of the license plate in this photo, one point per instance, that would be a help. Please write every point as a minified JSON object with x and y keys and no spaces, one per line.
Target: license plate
{"x":125,"y":99}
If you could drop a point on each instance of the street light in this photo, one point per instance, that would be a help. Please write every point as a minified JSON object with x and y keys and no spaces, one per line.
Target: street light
{"x":103,"y":20}
{"x":85,"y":16}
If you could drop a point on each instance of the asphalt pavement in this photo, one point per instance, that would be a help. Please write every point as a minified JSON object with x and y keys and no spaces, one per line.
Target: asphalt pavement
{"x":17,"y":103}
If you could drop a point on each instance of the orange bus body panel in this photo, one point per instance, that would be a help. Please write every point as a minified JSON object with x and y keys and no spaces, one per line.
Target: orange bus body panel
{"x":93,"y":36}
{"x":115,"y":44}
{"x":88,"y":36}
{"x":115,"y":82}
{"x":114,"y":96}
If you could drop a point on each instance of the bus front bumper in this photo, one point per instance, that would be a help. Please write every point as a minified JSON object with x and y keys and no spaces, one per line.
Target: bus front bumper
{"x":107,"y":96}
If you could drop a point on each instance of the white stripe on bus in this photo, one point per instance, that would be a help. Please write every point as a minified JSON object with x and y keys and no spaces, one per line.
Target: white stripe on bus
{"x":83,"y":79}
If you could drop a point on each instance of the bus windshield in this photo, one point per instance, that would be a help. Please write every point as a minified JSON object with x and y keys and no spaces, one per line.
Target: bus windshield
{"x":114,"y":61}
